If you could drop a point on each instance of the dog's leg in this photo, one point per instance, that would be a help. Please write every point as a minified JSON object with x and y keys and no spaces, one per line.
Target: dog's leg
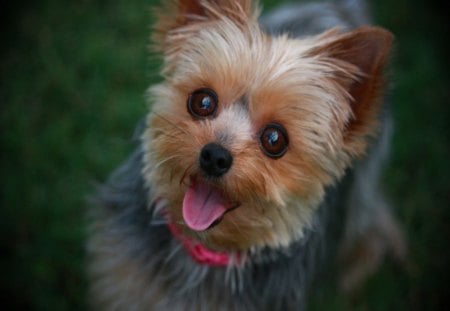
{"x":371,"y":232}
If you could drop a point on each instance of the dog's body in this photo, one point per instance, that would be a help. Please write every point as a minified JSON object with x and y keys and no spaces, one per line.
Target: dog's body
{"x":141,"y":238}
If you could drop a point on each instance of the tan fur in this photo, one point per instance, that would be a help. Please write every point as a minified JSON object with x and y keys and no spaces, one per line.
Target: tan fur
{"x":323,"y":93}
{"x":179,"y":20}
{"x":368,"y":48}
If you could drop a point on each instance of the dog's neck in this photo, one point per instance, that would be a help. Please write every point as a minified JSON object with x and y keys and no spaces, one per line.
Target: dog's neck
{"x":204,"y":256}
{"x":199,"y":252}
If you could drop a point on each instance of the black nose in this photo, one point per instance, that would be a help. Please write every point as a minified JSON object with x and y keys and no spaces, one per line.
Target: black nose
{"x":215,"y":160}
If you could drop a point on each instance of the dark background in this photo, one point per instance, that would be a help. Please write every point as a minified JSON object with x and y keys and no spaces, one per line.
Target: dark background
{"x":72,"y":79}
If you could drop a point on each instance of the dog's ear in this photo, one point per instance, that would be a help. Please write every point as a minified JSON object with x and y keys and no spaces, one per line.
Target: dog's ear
{"x":177,"y":20}
{"x":362,"y":55}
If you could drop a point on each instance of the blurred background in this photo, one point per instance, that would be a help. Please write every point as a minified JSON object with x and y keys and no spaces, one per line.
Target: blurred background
{"x":72,"y":81}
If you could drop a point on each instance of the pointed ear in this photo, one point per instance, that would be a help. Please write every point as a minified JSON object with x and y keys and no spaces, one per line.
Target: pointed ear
{"x":179,"y":19}
{"x":363,"y":54}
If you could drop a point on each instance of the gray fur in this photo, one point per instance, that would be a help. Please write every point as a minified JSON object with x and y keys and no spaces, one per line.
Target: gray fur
{"x":137,"y":265}
{"x":312,"y":18}
{"x":271,"y":280}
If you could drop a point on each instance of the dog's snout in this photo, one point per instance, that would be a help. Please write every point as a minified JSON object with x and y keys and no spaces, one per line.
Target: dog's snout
{"x":215,"y":160}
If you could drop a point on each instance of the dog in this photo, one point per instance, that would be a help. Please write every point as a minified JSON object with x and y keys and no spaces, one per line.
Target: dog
{"x":258,"y":163}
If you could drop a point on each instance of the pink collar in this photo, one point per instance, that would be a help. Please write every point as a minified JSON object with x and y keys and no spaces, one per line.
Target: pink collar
{"x":198,"y":252}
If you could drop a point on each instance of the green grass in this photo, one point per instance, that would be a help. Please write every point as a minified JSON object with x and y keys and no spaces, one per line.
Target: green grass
{"x":73,"y":77}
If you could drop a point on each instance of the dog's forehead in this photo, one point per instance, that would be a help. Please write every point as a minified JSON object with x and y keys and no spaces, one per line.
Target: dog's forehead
{"x":270,"y":79}
{"x":242,"y":62}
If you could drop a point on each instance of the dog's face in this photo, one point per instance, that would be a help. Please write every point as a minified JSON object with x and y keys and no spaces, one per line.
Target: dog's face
{"x":247,"y":130}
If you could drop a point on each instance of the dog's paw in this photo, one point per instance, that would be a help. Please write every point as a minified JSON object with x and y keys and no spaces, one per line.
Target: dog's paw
{"x":361,"y":255}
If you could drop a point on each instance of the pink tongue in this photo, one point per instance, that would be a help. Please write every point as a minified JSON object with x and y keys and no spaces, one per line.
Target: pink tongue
{"x":202,"y":205}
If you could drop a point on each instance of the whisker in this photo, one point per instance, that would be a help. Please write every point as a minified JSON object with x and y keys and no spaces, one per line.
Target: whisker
{"x":185,"y":173}
{"x":157,"y":165}
{"x":163,"y":132}
{"x":170,"y":122}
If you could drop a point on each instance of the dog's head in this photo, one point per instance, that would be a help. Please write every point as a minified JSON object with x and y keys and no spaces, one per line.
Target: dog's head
{"x":247,"y":130}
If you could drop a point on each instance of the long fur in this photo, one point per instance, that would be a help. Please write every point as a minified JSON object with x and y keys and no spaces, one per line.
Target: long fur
{"x":297,"y":208}
{"x":135,"y":258}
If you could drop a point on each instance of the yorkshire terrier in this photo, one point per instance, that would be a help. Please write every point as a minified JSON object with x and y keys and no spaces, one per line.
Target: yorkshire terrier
{"x":263,"y":151}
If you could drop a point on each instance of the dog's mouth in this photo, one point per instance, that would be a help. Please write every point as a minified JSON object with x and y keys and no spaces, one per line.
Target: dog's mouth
{"x":204,"y":205}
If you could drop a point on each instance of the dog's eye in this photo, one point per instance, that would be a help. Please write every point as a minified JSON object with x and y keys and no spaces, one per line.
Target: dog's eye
{"x":274,"y":140}
{"x":202,"y":103}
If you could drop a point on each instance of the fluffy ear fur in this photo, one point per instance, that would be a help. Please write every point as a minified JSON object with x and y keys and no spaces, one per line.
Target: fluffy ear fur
{"x":367,"y":50}
{"x":180,"y":19}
